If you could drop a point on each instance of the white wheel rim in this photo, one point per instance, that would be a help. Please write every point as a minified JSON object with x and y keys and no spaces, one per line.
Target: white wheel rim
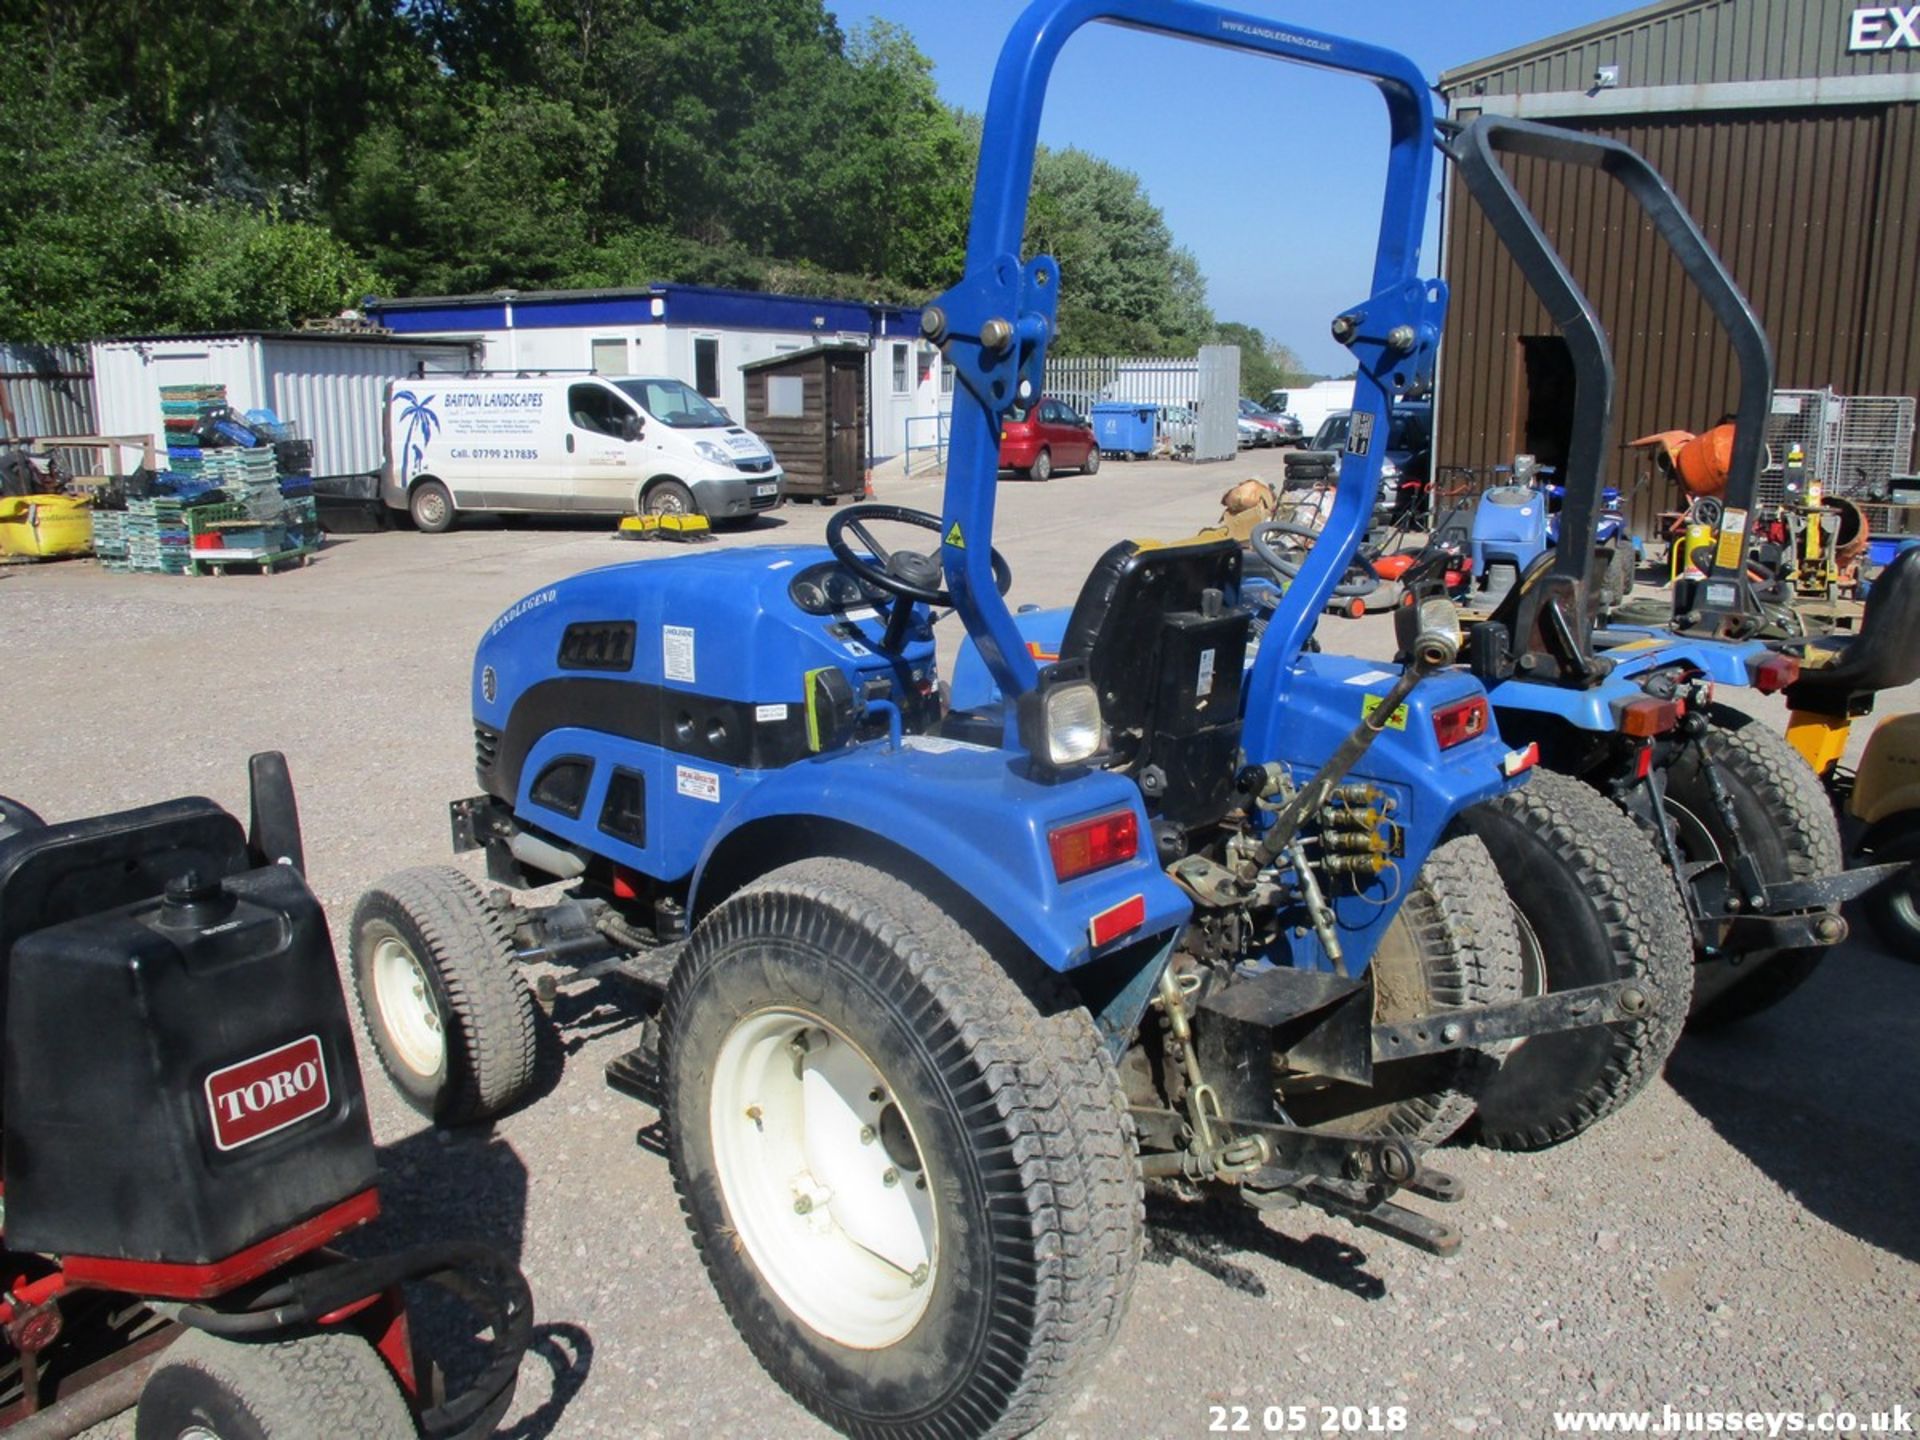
{"x":407,"y":1010}
{"x":823,"y":1179}
{"x":432,"y":509}
{"x":197,"y":1432}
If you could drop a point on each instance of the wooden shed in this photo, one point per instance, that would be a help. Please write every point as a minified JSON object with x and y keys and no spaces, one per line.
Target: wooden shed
{"x":810,"y":406}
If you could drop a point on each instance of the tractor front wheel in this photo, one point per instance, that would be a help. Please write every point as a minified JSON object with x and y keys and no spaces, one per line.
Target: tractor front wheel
{"x":449,"y":1012}
{"x":914,"y":1188}
{"x":318,"y":1387}
{"x":1452,"y":944}
{"x":1594,"y":904}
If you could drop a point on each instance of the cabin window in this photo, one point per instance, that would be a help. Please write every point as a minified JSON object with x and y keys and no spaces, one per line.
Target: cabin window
{"x":900,"y":371}
{"x":610,"y":356}
{"x":786,"y":397}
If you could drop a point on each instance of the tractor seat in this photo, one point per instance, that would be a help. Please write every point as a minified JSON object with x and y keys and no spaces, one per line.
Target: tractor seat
{"x":1164,"y":642}
{"x":1882,"y":655}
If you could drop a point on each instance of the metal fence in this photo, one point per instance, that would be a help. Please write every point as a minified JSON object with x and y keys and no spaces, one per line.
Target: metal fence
{"x":1208,"y":382}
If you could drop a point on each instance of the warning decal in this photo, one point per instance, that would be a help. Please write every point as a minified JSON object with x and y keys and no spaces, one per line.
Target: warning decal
{"x":955,"y":538}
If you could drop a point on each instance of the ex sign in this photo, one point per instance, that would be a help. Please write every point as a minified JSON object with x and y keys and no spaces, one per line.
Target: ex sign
{"x":1885,"y":27}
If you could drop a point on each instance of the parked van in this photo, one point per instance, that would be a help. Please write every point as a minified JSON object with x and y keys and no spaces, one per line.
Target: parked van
{"x":568,"y":444}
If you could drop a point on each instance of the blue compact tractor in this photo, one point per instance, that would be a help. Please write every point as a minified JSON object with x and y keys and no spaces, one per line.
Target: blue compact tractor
{"x":931,"y":988}
{"x":1739,"y":819}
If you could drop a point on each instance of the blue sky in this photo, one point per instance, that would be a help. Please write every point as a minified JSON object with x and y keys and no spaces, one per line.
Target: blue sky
{"x":1269,"y":173}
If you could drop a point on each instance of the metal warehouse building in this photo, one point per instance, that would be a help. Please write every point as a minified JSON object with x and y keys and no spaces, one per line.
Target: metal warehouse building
{"x":1791,"y":130}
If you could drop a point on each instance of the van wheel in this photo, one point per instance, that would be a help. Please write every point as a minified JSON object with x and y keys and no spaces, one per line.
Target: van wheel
{"x":431,"y":507}
{"x":669,"y":497}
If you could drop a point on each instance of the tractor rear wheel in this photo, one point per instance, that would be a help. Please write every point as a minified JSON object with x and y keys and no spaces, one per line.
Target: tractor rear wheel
{"x":318,"y":1387}
{"x":1453,"y":944}
{"x":914,"y":1187}
{"x":1594,"y":904}
{"x":1893,"y":908}
{"x":449,"y":1011}
{"x":1788,"y":827}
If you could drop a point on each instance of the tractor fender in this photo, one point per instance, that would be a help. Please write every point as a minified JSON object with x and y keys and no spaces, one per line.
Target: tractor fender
{"x":1887,"y":780}
{"x":1592,"y":709}
{"x":1724,"y":662}
{"x":966,"y":819}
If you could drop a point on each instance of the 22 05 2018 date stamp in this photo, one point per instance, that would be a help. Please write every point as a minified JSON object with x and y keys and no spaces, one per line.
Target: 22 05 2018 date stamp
{"x":1306,"y":1419}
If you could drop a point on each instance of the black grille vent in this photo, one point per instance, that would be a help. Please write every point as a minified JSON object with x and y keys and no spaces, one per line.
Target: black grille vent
{"x":755,"y":467}
{"x":486,"y":748}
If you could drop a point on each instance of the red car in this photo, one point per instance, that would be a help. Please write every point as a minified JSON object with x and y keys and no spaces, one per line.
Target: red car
{"x":1043,"y":438}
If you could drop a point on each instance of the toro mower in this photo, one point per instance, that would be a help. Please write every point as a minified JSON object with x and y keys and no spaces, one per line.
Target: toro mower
{"x":1739,"y":819}
{"x":942,"y":984}
{"x":185,"y":1140}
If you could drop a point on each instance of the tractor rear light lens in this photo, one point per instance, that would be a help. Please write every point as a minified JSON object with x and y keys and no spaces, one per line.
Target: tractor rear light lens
{"x":1460,"y":722}
{"x":1643,"y":763}
{"x":1117,"y":920}
{"x":1073,"y":731}
{"x":1776,"y":672}
{"x":1643,"y":719}
{"x":1089,"y":845}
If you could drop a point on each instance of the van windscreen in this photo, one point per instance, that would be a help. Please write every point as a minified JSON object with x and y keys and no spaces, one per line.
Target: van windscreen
{"x":675,"y":403}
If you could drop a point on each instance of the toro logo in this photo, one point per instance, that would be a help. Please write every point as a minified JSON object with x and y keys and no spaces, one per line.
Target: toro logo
{"x":258,"y":1097}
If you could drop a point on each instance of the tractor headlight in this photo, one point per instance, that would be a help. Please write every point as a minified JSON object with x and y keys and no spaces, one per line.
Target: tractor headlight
{"x":1060,"y":723}
{"x":713,"y":454}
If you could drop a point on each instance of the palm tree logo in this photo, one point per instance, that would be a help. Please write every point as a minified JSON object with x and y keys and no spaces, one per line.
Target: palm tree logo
{"x":421,"y":423}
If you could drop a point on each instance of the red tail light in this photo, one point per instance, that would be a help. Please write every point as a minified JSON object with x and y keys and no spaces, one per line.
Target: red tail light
{"x":1459,"y":722}
{"x":1776,"y":672}
{"x":1643,"y":719}
{"x":1089,"y":845}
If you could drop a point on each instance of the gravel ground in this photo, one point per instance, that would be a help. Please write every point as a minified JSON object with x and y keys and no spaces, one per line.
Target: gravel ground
{"x":1743,"y":1238}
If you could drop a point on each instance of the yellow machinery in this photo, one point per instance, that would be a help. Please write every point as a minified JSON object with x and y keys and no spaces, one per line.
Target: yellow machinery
{"x":1838,"y":680}
{"x":45,"y":527}
{"x":686,"y":529}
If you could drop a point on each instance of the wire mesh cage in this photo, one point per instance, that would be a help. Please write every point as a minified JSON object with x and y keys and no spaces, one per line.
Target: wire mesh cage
{"x":1853,"y":444}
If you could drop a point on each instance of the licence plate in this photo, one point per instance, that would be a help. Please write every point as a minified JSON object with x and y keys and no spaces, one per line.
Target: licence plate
{"x":763,"y":491}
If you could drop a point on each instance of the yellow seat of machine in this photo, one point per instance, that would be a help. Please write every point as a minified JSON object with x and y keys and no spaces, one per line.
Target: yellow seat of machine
{"x":684,"y":528}
{"x":43,"y":527}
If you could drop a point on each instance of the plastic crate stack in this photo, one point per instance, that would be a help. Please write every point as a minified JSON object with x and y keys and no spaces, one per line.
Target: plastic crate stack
{"x":156,"y":537}
{"x":250,"y":477}
{"x":110,"y":538}
{"x":183,"y":409}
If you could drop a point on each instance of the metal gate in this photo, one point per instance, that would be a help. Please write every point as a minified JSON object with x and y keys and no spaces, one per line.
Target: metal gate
{"x":1218,"y":433}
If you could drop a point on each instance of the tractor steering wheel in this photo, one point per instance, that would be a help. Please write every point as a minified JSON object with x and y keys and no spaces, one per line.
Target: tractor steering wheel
{"x":904,"y":574}
{"x":1359,"y":579}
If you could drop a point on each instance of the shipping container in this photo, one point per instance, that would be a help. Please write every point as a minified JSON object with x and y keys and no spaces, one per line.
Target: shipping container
{"x":330,"y":386}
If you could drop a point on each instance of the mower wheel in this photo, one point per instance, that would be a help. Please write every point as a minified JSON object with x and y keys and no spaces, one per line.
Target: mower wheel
{"x":912,"y":1179}
{"x":1594,"y":904}
{"x":1453,"y":944}
{"x":1893,"y":909}
{"x":1617,"y":579}
{"x":1786,"y":824}
{"x":316,"y":1387}
{"x":450,"y":1015}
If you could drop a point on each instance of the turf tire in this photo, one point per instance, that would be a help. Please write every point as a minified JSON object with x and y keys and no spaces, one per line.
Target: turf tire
{"x":317,"y":1387}
{"x":1594,"y":904}
{"x":1017,"y":1112}
{"x":484,"y":1008}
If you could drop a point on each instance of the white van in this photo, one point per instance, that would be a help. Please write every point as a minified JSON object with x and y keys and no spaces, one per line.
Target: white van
{"x":565,"y":444}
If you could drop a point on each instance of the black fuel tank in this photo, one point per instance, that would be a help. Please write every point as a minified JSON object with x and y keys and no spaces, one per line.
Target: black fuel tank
{"x":180,"y":1078}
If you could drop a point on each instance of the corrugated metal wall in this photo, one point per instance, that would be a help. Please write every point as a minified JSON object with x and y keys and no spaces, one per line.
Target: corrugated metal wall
{"x":49,"y":389}
{"x":1817,"y":214}
{"x":334,"y":392}
{"x":1713,"y":42}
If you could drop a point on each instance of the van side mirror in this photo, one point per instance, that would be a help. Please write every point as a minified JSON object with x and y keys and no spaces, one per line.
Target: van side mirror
{"x":631,"y":428}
